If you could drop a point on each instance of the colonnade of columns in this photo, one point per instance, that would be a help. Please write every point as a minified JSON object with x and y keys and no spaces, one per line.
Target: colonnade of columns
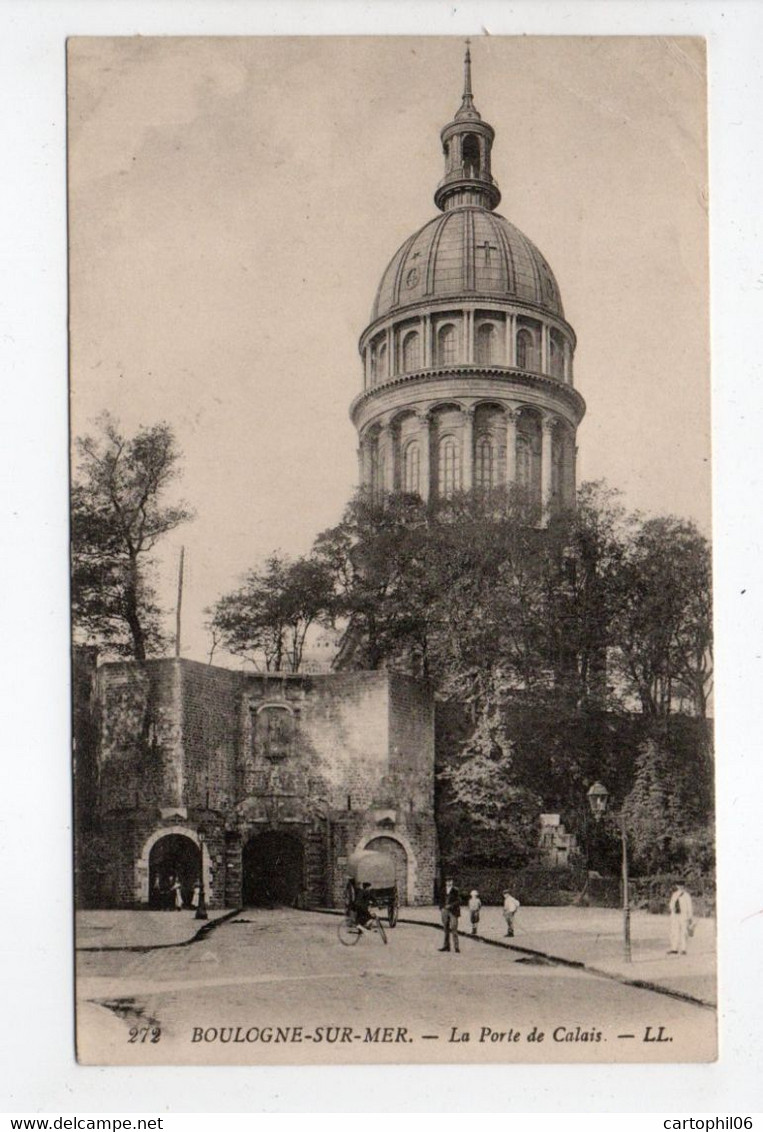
{"x":381,"y":365}
{"x":381,"y":455}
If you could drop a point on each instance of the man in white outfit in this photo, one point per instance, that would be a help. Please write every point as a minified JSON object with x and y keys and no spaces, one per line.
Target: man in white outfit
{"x":681,"y":920}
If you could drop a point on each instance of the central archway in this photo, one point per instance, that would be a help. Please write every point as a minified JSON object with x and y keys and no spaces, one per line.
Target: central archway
{"x":273,"y":869}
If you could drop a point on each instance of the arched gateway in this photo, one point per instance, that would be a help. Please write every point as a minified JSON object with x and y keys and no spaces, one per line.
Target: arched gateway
{"x":172,"y":857}
{"x":273,"y":868}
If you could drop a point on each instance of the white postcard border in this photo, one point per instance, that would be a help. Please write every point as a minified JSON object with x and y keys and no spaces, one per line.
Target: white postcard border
{"x":36,"y":806}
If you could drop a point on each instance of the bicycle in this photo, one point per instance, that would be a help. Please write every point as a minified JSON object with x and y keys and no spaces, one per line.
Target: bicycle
{"x":349,"y":930}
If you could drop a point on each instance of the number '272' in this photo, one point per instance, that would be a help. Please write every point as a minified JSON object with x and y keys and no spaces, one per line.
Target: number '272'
{"x":145,"y":1034}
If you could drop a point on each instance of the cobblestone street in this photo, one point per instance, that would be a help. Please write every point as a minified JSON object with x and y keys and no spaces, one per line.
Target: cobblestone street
{"x":220,"y":1000}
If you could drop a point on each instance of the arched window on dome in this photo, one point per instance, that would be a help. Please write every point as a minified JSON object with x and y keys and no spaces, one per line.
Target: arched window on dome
{"x":526,"y":349}
{"x":447,"y":345}
{"x":470,"y":151}
{"x":485,"y":464}
{"x":372,"y":366}
{"x":448,"y":468}
{"x":381,"y":362}
{"x":486,"y":344}
{"x":556,"y":355}
{"x":410,"y":354}
{"x":411,"y":468}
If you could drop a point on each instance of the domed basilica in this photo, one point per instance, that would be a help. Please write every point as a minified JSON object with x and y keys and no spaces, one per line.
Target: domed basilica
{"x":468,"y":358}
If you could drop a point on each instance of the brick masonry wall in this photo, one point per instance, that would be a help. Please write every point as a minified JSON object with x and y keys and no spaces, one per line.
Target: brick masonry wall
{"x":343,"y":735}
{"x":140,"y":754}
{"x":210,"y":734}
{"x":411,"y":743}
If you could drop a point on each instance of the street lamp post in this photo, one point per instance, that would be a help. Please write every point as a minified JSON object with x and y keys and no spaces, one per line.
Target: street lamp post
{"x":598,"y":797}
{"x":201,"y":911}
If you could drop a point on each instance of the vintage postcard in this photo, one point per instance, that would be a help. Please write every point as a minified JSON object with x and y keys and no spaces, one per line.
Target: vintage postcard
{"x":392,"y":657}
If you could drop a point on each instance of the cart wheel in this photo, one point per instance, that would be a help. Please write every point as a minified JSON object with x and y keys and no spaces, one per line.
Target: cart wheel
{"x":349,"y":934}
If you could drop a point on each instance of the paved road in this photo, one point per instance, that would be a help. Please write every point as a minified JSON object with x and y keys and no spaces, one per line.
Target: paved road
{"x":221,"y":1000}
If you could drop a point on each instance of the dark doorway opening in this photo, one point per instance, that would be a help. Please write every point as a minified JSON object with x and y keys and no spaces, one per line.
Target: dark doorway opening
{"x":173,"y":858}
{"x":273,"y":866}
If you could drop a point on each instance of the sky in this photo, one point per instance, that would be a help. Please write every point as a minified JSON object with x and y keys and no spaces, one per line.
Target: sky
{"x":234,"y":202}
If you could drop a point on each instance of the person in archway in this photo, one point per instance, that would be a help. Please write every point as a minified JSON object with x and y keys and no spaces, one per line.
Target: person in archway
{"x":177,"y":893}
{"x":450,"y":910}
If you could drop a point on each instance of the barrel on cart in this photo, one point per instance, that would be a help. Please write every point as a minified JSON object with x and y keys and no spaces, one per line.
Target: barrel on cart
{"x":379,"y":870}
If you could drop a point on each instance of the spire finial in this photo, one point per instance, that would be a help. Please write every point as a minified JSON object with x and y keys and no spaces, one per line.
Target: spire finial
{"x":468,"y":71}
{"x":467,"y":108}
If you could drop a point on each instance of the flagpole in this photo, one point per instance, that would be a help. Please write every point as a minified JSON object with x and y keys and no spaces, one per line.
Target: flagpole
{"x":179,"y":601}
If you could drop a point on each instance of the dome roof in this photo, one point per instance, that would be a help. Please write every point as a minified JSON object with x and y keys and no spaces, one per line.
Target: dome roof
{"x":467,"y":252}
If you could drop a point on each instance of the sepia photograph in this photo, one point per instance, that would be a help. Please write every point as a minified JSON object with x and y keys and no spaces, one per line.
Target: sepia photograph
{"x":391,"y":564}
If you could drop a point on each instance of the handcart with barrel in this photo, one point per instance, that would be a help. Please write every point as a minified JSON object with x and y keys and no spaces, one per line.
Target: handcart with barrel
{"x":377,"y":869}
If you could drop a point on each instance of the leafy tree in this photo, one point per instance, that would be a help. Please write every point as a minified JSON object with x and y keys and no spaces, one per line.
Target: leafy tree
{"x":377,"y":558}
{"x":268,"y":618}
{"x":453,"y":592}
{"x":492,"y":571}
{"x":118,"y":516}
{"x":665,"y":829}
{"x":662,"y":626}
{"x":581,"y":598}
{"x":488,"y":814}
{"x":651,"y":812}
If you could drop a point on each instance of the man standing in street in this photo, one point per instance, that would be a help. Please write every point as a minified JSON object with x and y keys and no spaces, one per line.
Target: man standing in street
{"x":510,"y":908}
{"x":450,"y":910}
{"x":681,"y":920}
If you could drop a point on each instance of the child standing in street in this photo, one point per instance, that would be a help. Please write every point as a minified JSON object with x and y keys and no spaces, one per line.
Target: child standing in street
{"x":474,"y":909}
